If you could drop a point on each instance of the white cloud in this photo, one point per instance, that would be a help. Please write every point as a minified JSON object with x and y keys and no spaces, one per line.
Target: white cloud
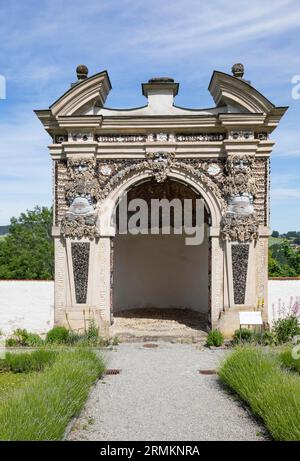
{"x":285,"y":194}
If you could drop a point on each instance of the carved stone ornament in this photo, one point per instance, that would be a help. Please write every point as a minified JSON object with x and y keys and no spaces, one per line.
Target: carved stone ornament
{"x":121,"y":138}
{"x":161,"y":137}
{"x":60,"y":138}
{"x":80,"y":137}
{"x":213,"y":169}
{"x":82,"y":192}
{"x":190,"y":167}
{"x":241,"y":135}
{"x":82,"y":180}
{"x":240,"y":258}
{"x":80,"y":260}
{"x":200,"y":137}
{"x":239,"y":228}
{"x":160,"y":164}
{"x":240,"y":179}
{"x":105,"y":170}
{"x":84,"y":168}
{"x":79,"y":226}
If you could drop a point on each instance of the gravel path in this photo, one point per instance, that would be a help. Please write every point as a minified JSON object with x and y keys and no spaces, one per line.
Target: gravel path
{"x":160,"y":395}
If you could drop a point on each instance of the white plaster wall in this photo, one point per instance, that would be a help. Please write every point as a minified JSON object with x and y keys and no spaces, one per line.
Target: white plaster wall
{"x":29,"y":304}
{"x":281,"y":295}
{"x":26,"y":304}
{"x":159,"y":271}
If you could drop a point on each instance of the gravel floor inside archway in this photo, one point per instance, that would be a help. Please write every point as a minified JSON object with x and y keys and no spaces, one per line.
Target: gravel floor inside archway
{"x":160,"y":395}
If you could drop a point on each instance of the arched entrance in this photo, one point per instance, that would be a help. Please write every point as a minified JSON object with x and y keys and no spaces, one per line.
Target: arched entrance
{"x":161,"y":285}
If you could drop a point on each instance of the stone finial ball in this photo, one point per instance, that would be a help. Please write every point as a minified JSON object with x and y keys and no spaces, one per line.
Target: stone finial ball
{"x":238,"y":70}
{"x":82,"y":71}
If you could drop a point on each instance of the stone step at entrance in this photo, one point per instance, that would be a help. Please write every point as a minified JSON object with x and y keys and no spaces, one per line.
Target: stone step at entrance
{"x":153,"y":324}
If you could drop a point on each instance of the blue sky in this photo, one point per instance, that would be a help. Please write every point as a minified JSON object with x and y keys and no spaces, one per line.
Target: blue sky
{"x":43,"y":41}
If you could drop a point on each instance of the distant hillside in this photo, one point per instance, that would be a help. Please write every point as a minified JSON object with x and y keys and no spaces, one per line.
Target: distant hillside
{"x":4,"y":230}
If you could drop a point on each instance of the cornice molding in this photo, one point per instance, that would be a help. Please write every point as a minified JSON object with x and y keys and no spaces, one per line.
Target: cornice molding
{"x":233,"y":91}
{"x":93,"y":90}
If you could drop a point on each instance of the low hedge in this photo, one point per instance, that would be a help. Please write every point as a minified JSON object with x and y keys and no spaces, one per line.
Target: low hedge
{"x":43,"y":407}
{"x":25,"y":362}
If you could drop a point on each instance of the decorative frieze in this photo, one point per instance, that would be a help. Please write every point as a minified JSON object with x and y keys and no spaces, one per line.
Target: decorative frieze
{"x":239,"y":256}
{"x":121,"y":138}
{"x":160,"y":137}
{"x":60,"y":138}
{"x":239,"y":183}
{"x":161,"y":163}
{"x":241,"y":135}
{"x":200,"y":137}
{"x":80,"y":252}
{"x":262,"y":136}
{"x":80,"y":137}
{"x":236,"y":135}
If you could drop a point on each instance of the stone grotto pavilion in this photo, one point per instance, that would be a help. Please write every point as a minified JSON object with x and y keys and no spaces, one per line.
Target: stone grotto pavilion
{"x":160,"y":150}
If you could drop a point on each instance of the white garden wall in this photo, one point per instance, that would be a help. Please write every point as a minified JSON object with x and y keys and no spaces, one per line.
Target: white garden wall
{"x":30,"y":304}
{"x":26,"y":304}
{"x":283,"y":294}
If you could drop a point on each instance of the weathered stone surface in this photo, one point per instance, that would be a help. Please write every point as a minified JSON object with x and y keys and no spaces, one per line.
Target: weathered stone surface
{"x":239,"y":254}
{"x":80,"y":259}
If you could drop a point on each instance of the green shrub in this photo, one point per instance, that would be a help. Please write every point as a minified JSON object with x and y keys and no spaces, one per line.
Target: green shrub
{"x":285,"y":329}
{"x":74,"y":338}
{"x":26,"y":362}
{"x":266,"y":338}
{"x":92,"y":334}
{"x":33,"y":340}
{"x":21,"y":337}
{"x":272,"y":393}
{"x":58,"y":335}
{"x":11,"y":342}
{"x":43,"y":407}
{"x":243,"y":335}
{"x":288,"y":361}
{"x":215,"y":338}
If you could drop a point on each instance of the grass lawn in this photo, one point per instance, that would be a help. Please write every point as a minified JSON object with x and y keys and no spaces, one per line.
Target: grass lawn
{"x":39,"y":405}
{"x":272,"y":393}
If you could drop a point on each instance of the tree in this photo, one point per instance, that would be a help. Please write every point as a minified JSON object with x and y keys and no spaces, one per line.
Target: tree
{"x":27,"y":252}
{"x":275,"y":269}
{"x":275,"y":234}
{"x":284,"y":261}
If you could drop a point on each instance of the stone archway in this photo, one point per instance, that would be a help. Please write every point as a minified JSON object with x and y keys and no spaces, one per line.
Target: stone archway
{"x":202,"y":186}
{"x":161,"y":286}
